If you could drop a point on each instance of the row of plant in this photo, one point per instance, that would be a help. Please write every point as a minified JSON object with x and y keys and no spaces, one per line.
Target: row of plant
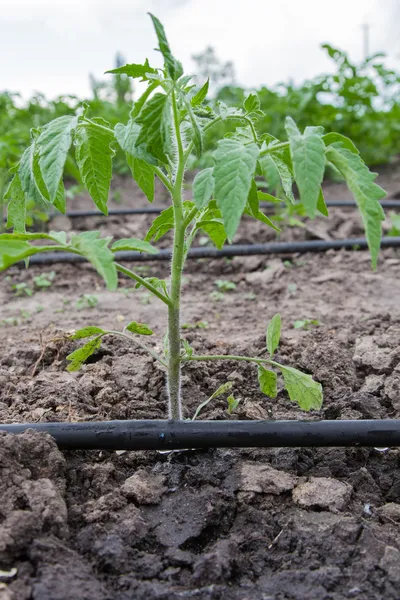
{"x":167,"y":125}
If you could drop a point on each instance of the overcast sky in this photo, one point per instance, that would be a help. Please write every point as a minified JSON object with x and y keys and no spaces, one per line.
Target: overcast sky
{"x":51,"y":45}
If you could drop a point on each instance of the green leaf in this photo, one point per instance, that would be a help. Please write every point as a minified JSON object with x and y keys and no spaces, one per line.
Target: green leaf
{"x":321,"y":204}
{"x":133,"y":244}
{"x":143,"y":174}
{"x":155,"y":118}
{"x":28,"y":170}
{"x":135,"y":70}
{"x":127,"y":136}
{"x":307,"y":153}
{"x":201,"y":95}
{"x":332,"y":138}
{"x":172,"y":66}
{"x":215,"y":229}
{"x":233,"y":172}
{"x":270,"y":171}
{"x":96,"y":250}
{"x":252,"y":103}
{"x":163,"y":223}
{"x":203,"y":187}
{"x":12,"y":251}
{"x":285,"y":176}
{"x":267,"y":381}
{"x":79,"y":356}
{"x":367,"y":194}
{"x":16,"y":207}
{"x":54,"y":143}
{"x":86,"y":332}
{"x":274,"y":333}
{"x":302,"y":388}
{"x":233,"y":403}
{"x":139,"y":328}
{"x":253,"y":207}
{"x":159,"y":284}
{"x":94,"y":158}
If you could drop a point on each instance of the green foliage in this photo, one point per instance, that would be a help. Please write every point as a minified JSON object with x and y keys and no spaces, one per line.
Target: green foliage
{"x":158,"y":137}
{"x":139,"y":328}
{"x":268,"y":382}
{"x":273,"y":333}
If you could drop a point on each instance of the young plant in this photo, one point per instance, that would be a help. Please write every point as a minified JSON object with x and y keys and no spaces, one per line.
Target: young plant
{"x":167,"y":125}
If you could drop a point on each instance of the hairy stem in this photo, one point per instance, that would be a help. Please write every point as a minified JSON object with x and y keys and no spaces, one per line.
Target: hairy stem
{"x":174,"y":334}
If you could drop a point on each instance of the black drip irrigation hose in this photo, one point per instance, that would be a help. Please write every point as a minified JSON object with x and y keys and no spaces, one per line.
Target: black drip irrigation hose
{"x":228,"y":251}
{"x":155,"y":210}
{"x":176,"y":435}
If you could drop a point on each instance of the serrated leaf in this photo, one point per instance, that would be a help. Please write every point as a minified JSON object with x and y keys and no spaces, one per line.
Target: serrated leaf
{"x":203,"y":187}
{"x":96,"y":250}
{"x":86,"y":332}
{"x":159,"y":284}
{"x":252,"y":103}
{"x":274,"y":333}
{"x":253,"y":208}
{"x":332,"y":138}
{"x":54,"y":143}
{"x":215,"y":229}
{"x":79,"y":356}
{"x":28,"y":168}
{"x":94,"y":158}
{"x":321,"y":204}
{"x":155,"y":121}
{"x":367,"y":194}
{"x":139,"y":328}
{"x":127,"y":136}
{"x":234,"y":168}
{"x":16,"y":206}
{"x":201,"y":95}
{"x":143,"y":174}
{"x":307,"y":153}
{"x":134,"y":70}
{"x":302,"y":388}
{"x":172,"y":66}
{"x":133,"y":244}
{"x":163,"y":223}
{"x":270,"y":171}
{"x":267,"y":381}
{"x":285,"y":175}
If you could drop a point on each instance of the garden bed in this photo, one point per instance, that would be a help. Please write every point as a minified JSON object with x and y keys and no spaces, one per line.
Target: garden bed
{"x":265,"y":524}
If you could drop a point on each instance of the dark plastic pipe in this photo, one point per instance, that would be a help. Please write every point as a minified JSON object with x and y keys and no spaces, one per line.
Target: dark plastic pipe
{"x":233,"y":250}
{"x":174,"y":435}
{"x":155,"y":210}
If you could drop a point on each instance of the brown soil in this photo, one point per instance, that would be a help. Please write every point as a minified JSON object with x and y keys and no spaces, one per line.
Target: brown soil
{"x":265,"y":524}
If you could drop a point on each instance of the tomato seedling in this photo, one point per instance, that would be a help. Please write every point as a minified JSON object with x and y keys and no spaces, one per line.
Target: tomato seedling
{"x":168,"y":124}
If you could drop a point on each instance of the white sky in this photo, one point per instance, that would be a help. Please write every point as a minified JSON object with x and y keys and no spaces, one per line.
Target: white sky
{"x":51,"y":45}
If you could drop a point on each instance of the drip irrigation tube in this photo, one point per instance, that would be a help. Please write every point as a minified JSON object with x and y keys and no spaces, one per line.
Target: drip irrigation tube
{"x":155,"y":210}
{"x":233,"y":250}
{"x":174,"y":435}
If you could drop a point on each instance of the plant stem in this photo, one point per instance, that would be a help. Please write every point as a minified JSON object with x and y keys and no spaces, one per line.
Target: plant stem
{"x":274,"y":148}
{"x":174,"y":335}
{"x":144,"y":283}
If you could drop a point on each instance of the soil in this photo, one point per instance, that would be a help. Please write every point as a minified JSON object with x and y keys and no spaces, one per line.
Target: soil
{"x":243,"y":524}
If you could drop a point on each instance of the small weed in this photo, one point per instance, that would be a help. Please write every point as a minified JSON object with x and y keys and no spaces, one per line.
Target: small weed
{"x":87,"y":301}
{"x":197,"y":325}
{"x":306,"y":324}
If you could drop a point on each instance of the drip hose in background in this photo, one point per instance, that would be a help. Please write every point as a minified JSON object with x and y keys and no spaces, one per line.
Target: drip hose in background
{"x":155,"y":210}
{"x":48,"y":258}
{"x":175,"y":435}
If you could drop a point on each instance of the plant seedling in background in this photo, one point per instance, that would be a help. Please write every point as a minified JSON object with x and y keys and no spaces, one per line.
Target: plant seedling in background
{"x":306,"y":324}
{"x":168,"y":124}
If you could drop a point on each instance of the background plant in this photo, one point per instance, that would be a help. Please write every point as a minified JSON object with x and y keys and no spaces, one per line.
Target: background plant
{"x":168,"y":124}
